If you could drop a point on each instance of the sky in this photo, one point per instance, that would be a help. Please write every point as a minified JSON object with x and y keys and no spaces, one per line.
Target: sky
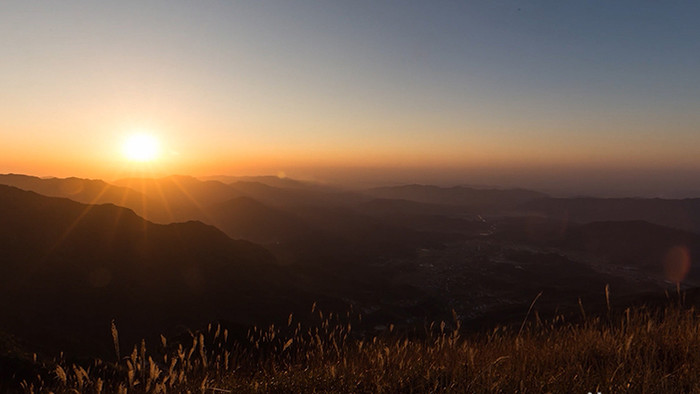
{"x":597,"y":95}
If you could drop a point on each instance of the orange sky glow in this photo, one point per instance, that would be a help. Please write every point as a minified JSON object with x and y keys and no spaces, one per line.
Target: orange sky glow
{"x":250,"y":89}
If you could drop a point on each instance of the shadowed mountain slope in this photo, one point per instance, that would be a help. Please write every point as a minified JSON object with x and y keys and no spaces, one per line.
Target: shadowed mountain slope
{"x":246,"y":218}
{"x":76,"y":266}
{"x":682,"y":214}
{"x":637,"y":244}
{"x":488,"y":199}
{"x":387,"y":206}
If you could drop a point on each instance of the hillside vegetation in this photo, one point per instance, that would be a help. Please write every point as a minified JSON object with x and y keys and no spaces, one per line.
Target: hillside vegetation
{"x":637,"y":350}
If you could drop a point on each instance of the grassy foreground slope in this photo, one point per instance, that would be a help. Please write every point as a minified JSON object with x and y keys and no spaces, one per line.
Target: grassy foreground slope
{"x":638,"y":350}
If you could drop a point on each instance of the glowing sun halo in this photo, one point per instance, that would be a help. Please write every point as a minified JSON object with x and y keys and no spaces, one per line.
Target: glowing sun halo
{"x":141,"y":147}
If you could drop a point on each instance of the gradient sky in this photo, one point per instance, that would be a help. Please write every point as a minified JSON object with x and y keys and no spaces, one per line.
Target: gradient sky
{"x":495,"y":92}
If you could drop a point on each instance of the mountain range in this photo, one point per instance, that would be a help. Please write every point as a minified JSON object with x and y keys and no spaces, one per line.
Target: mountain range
{"x":75,"y":267}
{"x":174,"y":253}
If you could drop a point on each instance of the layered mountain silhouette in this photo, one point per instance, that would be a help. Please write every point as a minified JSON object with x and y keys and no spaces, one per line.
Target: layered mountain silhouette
{"x":160,"y":253}
{"x":74,"y":267}
{"x":270,"y":180}
{"x":296,"y":196}
{"x":180,"y":198}
{"x":461,"y":196}
{"x":89,"y":191}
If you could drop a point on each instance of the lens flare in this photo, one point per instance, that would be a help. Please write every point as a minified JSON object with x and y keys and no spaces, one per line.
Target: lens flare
{"x":677,"y":263}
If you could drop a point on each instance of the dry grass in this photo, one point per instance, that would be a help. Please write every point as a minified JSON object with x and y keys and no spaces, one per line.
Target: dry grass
{"x":637,"y":351}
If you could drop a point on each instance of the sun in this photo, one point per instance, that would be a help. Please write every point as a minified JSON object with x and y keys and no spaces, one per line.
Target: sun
{"x":141,"y":147}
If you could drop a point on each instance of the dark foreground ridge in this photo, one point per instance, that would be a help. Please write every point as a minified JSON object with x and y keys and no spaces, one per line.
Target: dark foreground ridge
{"x":69,"y":268}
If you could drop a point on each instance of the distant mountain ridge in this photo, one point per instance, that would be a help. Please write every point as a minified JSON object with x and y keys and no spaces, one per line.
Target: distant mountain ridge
{"x":270,"y":180}
{"x":87,"y":191}
{"x":182,"y":198}
{"x":458,"y":195}
{"x":682,"y":214}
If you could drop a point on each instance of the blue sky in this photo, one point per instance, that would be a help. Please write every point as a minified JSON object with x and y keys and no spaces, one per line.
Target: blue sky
{"x":304,"y":85}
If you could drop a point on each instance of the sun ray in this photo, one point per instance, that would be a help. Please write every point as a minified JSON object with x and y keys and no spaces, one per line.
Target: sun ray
{"x":164,"y":201}
{"x":80,"y":217}
{"x":193,"y":200}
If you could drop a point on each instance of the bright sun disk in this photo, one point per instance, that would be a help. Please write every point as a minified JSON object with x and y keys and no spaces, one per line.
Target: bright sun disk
{"x":141,"y":147}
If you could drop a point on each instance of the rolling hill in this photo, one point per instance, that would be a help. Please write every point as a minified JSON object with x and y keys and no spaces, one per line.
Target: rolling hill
{"x":77,"y":266}
{"x":246,"y":218}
